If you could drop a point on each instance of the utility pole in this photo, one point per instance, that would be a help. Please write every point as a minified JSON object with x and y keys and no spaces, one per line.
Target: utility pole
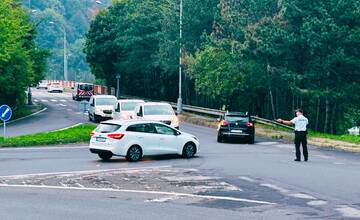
{"x":65,"y":57}
{"x":179,"y":102}
{"x":118,"y":76}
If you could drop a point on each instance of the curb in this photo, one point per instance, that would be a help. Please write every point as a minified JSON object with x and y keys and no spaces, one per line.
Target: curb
{"x":72,"y":126}
{"x":28,"y":116}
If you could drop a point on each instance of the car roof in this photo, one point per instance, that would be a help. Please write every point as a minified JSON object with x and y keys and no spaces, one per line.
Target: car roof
{"x":130,"y":100}
{"x":130,"y":122}
{"x":243,"y":114}
{"x":155,"y":103}
{"x":103,"y":96}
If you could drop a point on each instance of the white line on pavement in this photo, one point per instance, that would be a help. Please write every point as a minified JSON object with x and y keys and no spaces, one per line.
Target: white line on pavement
{"x":53,"y":100}
{"x":274,"y":187}
{"x":348,"y":211}
{"x":60,"y":104}
{"x":44,"y":100}
{"x":81,"y":172}
{"x":143,"y":192}
{"x":42,"y":148}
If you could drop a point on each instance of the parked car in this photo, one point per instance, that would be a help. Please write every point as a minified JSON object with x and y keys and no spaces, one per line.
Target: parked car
{"x":134,"y":139}
{"x":42,"y":85}
{"x":157,"y":111}
{"x":236,"y":125}
{"x":82,"y":91}
{"x":55,"y":87}
{"x":125,"y":108}
{"x":101,"y":107}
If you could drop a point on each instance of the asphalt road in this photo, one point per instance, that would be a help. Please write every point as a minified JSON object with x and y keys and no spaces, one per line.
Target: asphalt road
{"x":226,"y":181}
{"x":61,"y":112}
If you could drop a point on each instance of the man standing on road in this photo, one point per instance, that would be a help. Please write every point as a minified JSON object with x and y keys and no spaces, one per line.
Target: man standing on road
{"x":300,"y":122}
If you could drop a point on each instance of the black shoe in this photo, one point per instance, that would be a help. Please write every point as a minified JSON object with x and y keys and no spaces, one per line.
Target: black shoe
{"x":297,"y":160}
{"x":306,"y":160}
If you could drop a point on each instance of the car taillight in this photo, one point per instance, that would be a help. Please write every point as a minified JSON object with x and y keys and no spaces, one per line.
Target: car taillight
{"x":249,"y":124}
{"x":116,"y":136}
{"x":224,"y":123}
{"x":92,"y":134}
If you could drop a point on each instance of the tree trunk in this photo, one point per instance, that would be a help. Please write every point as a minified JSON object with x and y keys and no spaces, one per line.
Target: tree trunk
{"x":333,"y":120}
{"x":327,"y":111}
{"x":317,"y":115}
{"x":272,"y":104}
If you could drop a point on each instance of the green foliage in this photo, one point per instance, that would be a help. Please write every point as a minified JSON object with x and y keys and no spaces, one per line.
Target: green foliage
{"x":22,"y":63}
{"x":76,"y":134}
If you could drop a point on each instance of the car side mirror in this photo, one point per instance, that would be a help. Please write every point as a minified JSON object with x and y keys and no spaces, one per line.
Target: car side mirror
{"x":138,"y":114}
{"x":177,"y":133}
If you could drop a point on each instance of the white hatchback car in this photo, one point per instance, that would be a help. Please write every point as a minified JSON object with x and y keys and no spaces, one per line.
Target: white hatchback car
{"x":134,"y":139}
{"x":157,"y":111}
{"x":55,"y":87}
{"x":125,"y":109}
{"x":101,"y":107}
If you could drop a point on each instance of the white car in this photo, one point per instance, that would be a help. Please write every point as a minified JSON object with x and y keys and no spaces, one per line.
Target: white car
{"x":42,"y":85}
{"x":157,"y":111}
{"x":55,"y":87}
{"x":101,"y":107}
{"x":124,"y":109}
{"x":134,"y":139}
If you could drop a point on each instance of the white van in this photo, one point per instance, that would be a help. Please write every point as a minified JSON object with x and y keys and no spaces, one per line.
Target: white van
{"x":124,"y":108}
{"x":101,"y":107}
{"x":157,"y":111}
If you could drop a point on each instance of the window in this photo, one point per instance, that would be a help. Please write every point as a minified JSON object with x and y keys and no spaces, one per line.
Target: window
{"x":158,"y":110}
{"x":105,"y":101}
{"x":236,"y":118}
{"x":107,"y":128}
{"x":144,"y":128}
{"x":86,"y":87}
{"x":128,"y":106}
{"x":117,"y":107}
{"x":162,"y":129}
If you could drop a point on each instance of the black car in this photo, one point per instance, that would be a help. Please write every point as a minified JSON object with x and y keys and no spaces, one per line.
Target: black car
{"x":236,"y":125}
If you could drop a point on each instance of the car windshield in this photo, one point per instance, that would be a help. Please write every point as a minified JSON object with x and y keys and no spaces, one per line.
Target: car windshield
{"x":107,"y":128}
{"x":236,"y":118}
{"x":158,"y":110}
{"x":105,"y":101}
{"x":86,"y":87}
{"x":128,"y":106}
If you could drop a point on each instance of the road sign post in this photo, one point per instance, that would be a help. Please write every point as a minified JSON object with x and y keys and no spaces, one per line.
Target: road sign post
{"x":5,"y":115}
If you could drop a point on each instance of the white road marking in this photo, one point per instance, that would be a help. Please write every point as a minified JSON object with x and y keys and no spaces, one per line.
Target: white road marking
{"x":44,"y":100}
{"x":267,"y":143}
{"x":317,"y":203}
{"x":63,"y":105}
{"x":72,"y":126}
{"x":188,"y":195}
{"x":189,"y":178}
{"x":71,"y":173}
{"x":277,"y":188}
{"x":53,"y":100}
{"x":35,"y":100}
{"x":285,"y":146}
{"x":247,"y":179}
{"x":164,"y":199}
{"x":348,"y":211}
{"x":302,"y":196}
{"x":42,"y":148}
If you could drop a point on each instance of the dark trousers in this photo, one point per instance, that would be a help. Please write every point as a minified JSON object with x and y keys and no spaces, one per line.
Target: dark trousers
{"x":301,"y":138}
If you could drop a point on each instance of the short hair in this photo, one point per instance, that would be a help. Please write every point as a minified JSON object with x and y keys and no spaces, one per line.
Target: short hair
{"x":299,"y":110}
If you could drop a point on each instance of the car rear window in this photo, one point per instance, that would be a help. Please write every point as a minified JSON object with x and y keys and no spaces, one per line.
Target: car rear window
{"x":128,"y":106}
{"x":158,"y":110}
{"x":107,"y":128}
{"x":86,"y":87}
{"x":236,"y":118}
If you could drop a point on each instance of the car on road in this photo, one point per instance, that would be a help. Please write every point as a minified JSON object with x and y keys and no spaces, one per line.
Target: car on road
{"x":101,"y":107}
{"x":125,"y":108}
{"x":43,"y":84}
{"x":157,"y":111}
{"x":236,"y":125}
{"x":82,"y":91}
{"x":134,"y":139}
{"x":55,"y":87}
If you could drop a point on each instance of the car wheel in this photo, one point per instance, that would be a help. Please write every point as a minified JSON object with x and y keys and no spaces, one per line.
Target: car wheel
{"x":96,"y":118}
{"x":105,"y":155}
{"x":134,"y":153}
{"x":189,"y":150}
{"x":251,"y":140}
{"x":220,"y":139}
{"x":90,"y":119}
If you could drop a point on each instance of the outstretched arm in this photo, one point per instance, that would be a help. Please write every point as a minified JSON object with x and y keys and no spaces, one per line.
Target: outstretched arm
{"x":285,"y":122}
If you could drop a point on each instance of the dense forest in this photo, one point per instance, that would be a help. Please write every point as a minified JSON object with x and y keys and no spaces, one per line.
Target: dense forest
{"x":52,"y":17}
{"x":263,"y":56}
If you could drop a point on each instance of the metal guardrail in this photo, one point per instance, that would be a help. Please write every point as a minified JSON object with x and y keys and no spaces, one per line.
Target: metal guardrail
{"x":215,"y":112}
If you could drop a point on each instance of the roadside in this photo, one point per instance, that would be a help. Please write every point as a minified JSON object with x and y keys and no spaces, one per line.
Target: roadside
{"x":75,"y":134}
{"x":340,"y":142}
{"x":25,"y":111}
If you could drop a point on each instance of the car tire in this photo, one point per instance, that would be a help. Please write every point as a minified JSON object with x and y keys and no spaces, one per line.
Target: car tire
{"x":251,"y":140}
{"x":220,"y":139}
{"x":96,"y":118}
{"x":90,"y":119}
{"x":105,"y":156}
{"x":189,"y":150}
{"x":134,"y":153}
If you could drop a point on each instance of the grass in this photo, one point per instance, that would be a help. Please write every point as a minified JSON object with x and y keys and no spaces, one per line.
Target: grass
{"x":76,"y":134}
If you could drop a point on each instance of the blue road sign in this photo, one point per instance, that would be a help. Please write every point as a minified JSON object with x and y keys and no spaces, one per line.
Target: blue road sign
{"x":5,"y":113}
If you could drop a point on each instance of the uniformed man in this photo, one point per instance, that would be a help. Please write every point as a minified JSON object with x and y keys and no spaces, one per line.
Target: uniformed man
{"x":300,"y":122}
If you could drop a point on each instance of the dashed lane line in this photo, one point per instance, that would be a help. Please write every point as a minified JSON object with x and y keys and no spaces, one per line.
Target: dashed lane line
{"x":188,"y":195}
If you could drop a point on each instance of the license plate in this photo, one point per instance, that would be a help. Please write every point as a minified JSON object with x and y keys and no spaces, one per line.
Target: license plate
{"x":100,"y":139}
{"x":237,"y":131}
